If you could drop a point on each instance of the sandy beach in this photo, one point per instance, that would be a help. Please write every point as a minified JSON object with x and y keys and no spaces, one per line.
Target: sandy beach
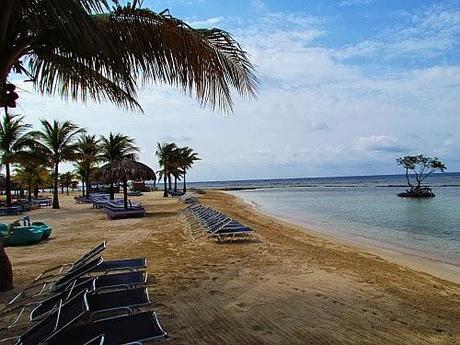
{"x":287,"y":286}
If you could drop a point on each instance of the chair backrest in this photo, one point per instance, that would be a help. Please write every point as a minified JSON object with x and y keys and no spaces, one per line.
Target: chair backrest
{"x":60,"y":318}
{"x":76,"y":273}
{"x":131,"y":329}
{"x":126,"y":298}
{"x":51,"y":303}
{"x":91,"y":254}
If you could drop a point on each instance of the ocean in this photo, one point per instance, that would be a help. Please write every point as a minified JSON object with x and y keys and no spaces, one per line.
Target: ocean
{"x":363,"y":208}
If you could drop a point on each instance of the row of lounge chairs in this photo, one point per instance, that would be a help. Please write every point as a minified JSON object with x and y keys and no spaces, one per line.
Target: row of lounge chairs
{"x":24,"y":205}
{"x":214,"y":223}
{"x":91,"y":301}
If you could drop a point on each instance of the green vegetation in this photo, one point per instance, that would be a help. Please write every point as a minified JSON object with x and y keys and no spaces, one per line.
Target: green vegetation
{"x":419,"y":167}
{"x":57,"y":142}
{"x":174,"y":161}
{"x":116,"y":147}
{"x":89,"y":49}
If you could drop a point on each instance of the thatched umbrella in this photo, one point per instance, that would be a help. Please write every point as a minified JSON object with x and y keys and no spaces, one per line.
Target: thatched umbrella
{"x":123,"y":170}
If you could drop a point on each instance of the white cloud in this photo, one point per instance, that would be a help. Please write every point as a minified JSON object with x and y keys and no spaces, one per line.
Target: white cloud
{"x":380,"y":143}
{"x":355,"y":2}
{"x":429,"y":33}
{"x":206,"y":22}
{"x":316,"y":114}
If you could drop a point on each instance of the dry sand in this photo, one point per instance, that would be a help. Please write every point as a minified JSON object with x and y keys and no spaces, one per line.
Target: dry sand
{"x":288,"y":286}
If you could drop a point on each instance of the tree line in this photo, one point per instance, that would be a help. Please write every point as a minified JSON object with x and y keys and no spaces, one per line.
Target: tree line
{"x":35,"y":156}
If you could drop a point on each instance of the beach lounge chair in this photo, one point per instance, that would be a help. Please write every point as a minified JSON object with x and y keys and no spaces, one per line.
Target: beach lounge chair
{"x":8,"y":211}
{"x":42,"y":201}
{"x":241,"y":232}
{"x":58,"y":270}
{"x":62,"y":282}
{"x":94,"y":266}
{"x":118,"y":212}
{"x":131,"y":329}
{"x":40,"y":309}
{"x":83,"y":307}
{"x":98,"y":283}
{"x":216,"y":224}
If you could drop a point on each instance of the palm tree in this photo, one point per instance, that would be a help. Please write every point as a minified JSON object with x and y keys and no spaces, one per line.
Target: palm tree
{"x":80,"y":171}
{"x":115,"y":147}
{"x":31,"y":174}
{"x":62,"y":182}
{"x":13,"y":140}
{"x":186,"y":159}
{"x":89,"y":49}
{"x":86,"y":49}
{"x":88,"y":155}
{"x":165,"y":153}
{"x":67,"y":178}
{"x":57,"y":141}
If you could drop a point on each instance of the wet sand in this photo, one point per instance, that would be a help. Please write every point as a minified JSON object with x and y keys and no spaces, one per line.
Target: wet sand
{"x":287,"y":286}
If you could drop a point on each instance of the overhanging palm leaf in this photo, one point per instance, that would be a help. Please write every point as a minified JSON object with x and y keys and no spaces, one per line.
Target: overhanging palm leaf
{"x":83,"y":50}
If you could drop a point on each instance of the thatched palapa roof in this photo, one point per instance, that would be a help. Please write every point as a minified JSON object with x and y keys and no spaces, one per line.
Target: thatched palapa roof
{"x":124,"y":170}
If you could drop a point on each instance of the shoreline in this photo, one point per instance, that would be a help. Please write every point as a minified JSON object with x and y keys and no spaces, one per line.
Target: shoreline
{"x":408,"y":257}
{"x":285,"y":286}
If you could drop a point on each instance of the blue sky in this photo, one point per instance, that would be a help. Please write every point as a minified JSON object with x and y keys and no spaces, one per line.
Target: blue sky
{"x":347,"y":86}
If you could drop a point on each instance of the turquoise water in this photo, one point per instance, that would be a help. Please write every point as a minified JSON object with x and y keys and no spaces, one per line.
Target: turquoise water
{"x":367,"y":211}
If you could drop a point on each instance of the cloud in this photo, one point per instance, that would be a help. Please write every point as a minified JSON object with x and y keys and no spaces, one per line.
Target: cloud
{"x":206,"y":22}
{"x":318,"y":126}
{"x":355,"y":2}
{"x":317,"y":113}
{"x":380,"y":143}
{"x":180,"y":140}
{"x":428,"y":33}
{"x":258,"y":5}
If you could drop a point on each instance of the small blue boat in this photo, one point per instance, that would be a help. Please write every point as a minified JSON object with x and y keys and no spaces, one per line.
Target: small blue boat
{"x":29,"y":233}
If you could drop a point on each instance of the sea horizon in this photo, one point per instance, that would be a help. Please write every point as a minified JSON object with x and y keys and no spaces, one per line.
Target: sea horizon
{"x":435,"y":180}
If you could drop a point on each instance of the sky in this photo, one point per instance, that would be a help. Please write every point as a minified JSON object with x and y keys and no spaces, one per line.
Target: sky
{"x":346,"y":87}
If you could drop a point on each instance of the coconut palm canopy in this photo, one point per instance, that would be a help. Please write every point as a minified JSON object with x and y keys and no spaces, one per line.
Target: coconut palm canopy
{"x":125,"y":169}
{"x":102,"y":49}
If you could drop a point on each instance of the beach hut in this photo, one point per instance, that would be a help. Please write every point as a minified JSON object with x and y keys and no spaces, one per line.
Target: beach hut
{"x":124,"y":170}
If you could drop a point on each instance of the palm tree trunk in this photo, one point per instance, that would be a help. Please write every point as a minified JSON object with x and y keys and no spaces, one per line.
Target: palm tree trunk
{"x":83,"y":187}
{"x":125,"y":194}
{"x":88,"y":187}
{"x":175,"y":184}
{"x":29,"y":191}
{"x":169,"y":182}
{"x":67,"y":189}
{"x":8,"y":184}
{"x":6,"y":271}
{"x":55,"y":186}
{"x":165,"y":194}
{"x":112,"y":194}
{"x":185,"y":186}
